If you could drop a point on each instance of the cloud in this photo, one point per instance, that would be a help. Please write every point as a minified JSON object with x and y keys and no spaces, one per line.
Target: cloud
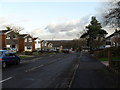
{"x":62,"y":30}
{"x":64,"y":26}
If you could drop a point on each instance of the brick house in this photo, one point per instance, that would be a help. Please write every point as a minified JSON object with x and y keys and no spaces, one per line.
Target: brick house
{"x":26,"y":43}
{"x":22,"y":42}
{"x":113,"y":39}
{"x":8,"y":39}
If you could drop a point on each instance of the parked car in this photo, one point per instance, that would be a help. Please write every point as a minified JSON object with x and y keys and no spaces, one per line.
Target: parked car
{"x":7,"y":57}
{"x":52,"y":50}
{"x":65,"y":50}
{"x":14,"y":50}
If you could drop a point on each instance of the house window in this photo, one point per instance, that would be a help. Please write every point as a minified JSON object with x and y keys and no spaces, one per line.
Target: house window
{"x":118,"y":35}
{"x":29,"y":47}
{"x":8,"y":36}
{"x":30,"y":39}
{"x":38,"y":41}
{"x":25,"y":39}
{"x":14,"y":36}
{"x":108,"y":43}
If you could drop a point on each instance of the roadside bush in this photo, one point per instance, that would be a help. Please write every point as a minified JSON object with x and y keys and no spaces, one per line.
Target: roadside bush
{"x":36,"y":53}
{"x":28,"y":53}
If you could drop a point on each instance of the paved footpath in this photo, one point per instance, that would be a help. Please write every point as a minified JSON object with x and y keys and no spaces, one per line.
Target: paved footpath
{"x":93,"y":74}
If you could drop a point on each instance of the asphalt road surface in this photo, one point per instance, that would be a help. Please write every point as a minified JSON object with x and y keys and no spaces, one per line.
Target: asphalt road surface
{"x":51,"y":71}
{"x":93,"y":74}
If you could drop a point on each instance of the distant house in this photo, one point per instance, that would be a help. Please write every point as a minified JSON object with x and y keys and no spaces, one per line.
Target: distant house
{"x":25,"y":43}
{"x":50,"y":45}
{"x":9,"y":39}
{"x":44,"y":45}
{"x":37,"y":43}
{"x":113,"y":39}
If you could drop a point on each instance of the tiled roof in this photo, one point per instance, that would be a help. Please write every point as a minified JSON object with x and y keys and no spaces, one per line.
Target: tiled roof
{"x":116,"y":32}
{"x":23,"y":35}
{"x":3,"y":31}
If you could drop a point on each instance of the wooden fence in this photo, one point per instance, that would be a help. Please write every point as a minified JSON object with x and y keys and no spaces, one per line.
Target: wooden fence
{"x":112,"y":54}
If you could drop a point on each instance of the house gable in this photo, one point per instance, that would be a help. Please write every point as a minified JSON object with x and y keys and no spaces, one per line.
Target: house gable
{"x":113,"y":39}
{"x":9,"y":38}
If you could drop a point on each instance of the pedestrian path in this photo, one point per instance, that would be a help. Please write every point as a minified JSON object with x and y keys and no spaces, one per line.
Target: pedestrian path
{"x":93,"y":74}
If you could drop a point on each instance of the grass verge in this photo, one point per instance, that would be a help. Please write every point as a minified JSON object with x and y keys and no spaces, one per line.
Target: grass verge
{"x":106,"y":59}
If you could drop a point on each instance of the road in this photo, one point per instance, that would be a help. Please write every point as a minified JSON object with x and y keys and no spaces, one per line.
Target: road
{"x":51,"y":71}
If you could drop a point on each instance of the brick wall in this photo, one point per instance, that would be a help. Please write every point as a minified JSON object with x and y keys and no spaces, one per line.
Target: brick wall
{"x":2,"y":41}
{"x":33,"y":45}
{"x":21,"y":45}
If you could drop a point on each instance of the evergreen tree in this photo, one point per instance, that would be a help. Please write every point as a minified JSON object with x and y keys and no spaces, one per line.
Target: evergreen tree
{"x":94,"y":34}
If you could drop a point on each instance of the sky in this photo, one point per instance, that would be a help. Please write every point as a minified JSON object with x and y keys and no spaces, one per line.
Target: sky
{"x":49,"y":20}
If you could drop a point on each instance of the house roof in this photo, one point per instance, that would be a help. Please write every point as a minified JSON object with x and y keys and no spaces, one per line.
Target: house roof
{"x":23,"y":35}
{"x":84,"y":35}
{"x":35,"y":38}
{"x":116,"y":32}
{"x":4,"y":31}
{"x":58,"y":43}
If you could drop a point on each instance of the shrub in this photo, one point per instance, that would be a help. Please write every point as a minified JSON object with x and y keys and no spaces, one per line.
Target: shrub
{"x":28,"y":53}
{"x":36,"y":53}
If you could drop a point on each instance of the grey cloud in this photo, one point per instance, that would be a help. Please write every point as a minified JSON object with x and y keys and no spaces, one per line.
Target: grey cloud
{"x":65,"y":27}
{"x":64,"y":30}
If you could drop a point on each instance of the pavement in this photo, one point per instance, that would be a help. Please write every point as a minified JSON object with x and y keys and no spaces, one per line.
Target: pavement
{"x":94,"y":74}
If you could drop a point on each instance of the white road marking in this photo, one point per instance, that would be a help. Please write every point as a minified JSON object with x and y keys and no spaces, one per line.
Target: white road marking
{"x":74,"y":73}
{"x":34,"y":68}
{"x":6,"y":79}
{"x":41,"y":65}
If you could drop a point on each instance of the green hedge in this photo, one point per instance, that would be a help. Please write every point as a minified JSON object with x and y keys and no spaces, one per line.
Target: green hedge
{"x":28,"y":53}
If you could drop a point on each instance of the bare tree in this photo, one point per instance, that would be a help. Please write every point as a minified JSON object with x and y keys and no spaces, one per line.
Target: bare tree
{"x":111,"y":16}
{"x":15,"y":28}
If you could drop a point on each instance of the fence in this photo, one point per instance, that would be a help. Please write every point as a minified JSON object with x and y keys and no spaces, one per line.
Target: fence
{"x":112,"y":55}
